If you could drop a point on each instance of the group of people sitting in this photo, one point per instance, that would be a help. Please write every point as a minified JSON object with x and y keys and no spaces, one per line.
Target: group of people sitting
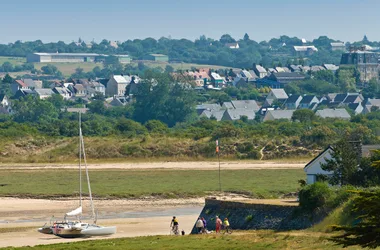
{"x":201,"y":225}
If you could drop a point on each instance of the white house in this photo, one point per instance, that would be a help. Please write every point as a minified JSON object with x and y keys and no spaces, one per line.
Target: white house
{"x":117,"y":84}
{"x":313,"y":169}
{"x":232,"y":45}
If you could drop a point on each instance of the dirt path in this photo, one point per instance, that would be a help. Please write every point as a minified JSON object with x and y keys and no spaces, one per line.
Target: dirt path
{"x":233,"y":165}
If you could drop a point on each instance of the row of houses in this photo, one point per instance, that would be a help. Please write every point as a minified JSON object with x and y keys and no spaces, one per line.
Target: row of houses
{"x":278,"y":105}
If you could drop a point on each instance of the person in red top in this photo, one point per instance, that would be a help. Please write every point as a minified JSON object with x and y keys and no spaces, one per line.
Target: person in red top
{"x":218,"y":225}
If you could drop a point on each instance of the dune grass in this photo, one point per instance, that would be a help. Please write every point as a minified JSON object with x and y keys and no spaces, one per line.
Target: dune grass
{"x":246,"y":240}
{"x":114,"y":183}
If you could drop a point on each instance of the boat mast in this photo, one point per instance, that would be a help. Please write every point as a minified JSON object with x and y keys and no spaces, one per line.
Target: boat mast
{"x":88,"y":178}
{"x":80,"y":162}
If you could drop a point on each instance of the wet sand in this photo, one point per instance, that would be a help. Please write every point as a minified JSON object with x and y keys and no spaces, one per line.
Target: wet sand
{"x":132,"y":218}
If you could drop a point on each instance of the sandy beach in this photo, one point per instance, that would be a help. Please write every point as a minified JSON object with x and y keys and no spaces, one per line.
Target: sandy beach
{"x":20,"y":218}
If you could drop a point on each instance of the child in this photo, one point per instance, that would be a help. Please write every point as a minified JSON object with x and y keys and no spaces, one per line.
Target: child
{"x":226,"y":225}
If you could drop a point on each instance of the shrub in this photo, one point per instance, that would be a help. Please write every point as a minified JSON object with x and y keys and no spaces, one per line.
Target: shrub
{"x":249,"y":218}
{"x":314,"y":196}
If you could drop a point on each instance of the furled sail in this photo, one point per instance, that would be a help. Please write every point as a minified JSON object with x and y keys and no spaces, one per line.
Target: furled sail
{"x":75,"y":212}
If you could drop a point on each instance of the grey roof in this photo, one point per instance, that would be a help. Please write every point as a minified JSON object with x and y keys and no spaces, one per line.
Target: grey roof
{"x":280,"y":114}
{"x":76,"y":110}
{"x":333,"y":113}
{"x":340,"y":98}
{"x":236,"y":114}
{"x":2,"y":97}
{"x":246,"y":104}
{"x":44,"y":91}
{"x":217,"y":114}
{"x":331,"y":67}
{"x":67,"y":54}
{"x":373,"y":102}
{"x":29,"y":82}
{"x":350,"y":98}
{"x":209,"y":106}
{"x":279,"y":93}
{"x":288,"y":75}
{"x":228,"y":105}
{"x":293,"y":98}
{"x":260,"y":69}
{"x":307,"y":99}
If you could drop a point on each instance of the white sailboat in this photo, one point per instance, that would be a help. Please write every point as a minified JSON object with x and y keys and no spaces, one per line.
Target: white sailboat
{"x":76,"y":228}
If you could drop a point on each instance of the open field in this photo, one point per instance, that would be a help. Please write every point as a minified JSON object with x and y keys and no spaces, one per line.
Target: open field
{"x":237,"y":240}
{"x":12,"y":60}
{"x":264,"y":183}
{"x":68,"y":69}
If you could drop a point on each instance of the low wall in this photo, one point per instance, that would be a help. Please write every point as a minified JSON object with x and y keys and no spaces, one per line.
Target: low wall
{"x":244,"y":215}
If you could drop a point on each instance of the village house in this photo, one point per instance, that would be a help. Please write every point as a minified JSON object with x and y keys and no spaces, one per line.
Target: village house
{"x":293,"y":102}
{"x":213,"y":114}
{"x":272,"y":115}
{"x":117,"y":85}
{"x":4,"y":101}
{"x":338,"y":46}
{"x":19,"y":85}
{"x":260,"y":71}
{"x":216,"y":80}
{"x":118,"y":101}
{"x":295,"y":68}
{"x":23,"y":93}
{"x":234,"y":45}
{"x":64,"y":92}
{"x":286,"y":77}
{"x":207,"y":106}
{"x":44,"y":93}
{"x":333,"y":113}
{"x":371,"y":104}
{"x":314,"y":169}
{"x":79,"y":90}
{"x":237,"y":114}
{"x":278,"y":95}
{"x":356,"y":107}
{"x":330,"y":67}
{"x":306,"y":50}
{"x":308,"y":101}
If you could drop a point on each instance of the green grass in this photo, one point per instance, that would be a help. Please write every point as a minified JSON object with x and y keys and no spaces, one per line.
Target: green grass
{"x":68,"y":69}
{"x":237,"y":240}
{"x":12,"y":60}
{"x":137,"y":183}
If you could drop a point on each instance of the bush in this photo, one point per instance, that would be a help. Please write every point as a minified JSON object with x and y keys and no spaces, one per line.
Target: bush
{"x":314,"y":196}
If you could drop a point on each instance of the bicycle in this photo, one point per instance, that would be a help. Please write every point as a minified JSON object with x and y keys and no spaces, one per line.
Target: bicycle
{"x":174,"y":230}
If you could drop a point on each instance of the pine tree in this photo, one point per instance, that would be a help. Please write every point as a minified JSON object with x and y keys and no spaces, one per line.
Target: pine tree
{"x":366,"y":232}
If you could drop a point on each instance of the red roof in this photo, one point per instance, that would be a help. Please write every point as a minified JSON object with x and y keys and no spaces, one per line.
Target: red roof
{"x":21,"y":83}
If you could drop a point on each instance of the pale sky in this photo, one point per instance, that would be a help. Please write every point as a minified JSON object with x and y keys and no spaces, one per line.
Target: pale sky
{"x":346,"y":20}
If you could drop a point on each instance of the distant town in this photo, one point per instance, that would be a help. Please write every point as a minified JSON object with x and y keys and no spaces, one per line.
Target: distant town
{"x":277,"y":94}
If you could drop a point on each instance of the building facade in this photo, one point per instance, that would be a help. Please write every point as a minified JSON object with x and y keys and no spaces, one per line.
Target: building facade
{"x":366,"y":62}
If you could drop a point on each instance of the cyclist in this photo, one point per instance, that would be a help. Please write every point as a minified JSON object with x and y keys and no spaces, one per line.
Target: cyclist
{"x":174,"y":225}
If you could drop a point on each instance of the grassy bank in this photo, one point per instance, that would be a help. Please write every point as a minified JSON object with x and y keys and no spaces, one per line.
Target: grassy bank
{"x":137,"y":183}
{"x":44,"y":149}
{"x":237,"y":240}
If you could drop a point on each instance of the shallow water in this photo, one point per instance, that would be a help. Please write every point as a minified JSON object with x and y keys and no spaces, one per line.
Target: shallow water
{"x":154,"y":212}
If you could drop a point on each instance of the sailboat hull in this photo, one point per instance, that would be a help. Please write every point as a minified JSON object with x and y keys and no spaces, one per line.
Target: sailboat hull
{"x":99,"y":231}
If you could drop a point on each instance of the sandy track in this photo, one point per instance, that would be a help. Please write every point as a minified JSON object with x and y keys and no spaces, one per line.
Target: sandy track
{"x":233,"y":165}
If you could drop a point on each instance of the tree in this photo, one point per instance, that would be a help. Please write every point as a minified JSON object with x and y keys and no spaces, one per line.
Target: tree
{"x":226,"y":38}
{"x":160,"y":98}
{"x":344,"y":162}
{"x":303,"y":115}
{"x":246,"y":37}
{"x":365,"y":232}
{"x":97,"y":107}
{"x":7,"y":67}
{"x":169,"y":69}
{"x":57,"y":101}
{"x":33,"y":109}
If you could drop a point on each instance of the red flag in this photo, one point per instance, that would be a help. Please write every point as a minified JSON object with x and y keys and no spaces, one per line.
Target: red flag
{"x":217,"y":146}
